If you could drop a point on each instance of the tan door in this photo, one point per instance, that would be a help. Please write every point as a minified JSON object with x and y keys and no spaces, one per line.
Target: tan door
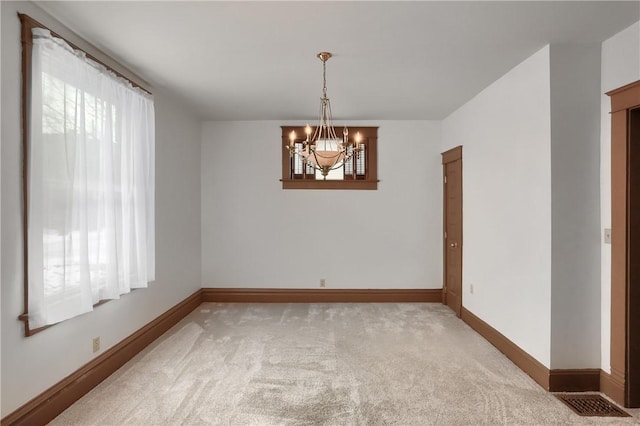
{"x":452,"y":169}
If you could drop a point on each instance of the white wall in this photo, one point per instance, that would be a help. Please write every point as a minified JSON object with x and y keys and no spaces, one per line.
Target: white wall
{"x":620,"y":66}
{"x":531,"y":161}
{"x":31,"y":365}
{"x":255,"y":234}
{"x":575,"y":205}
{"x":505,"y":133}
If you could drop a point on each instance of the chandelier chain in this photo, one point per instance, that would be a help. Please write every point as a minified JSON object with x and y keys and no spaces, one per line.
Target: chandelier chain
{"x":324,"y":79}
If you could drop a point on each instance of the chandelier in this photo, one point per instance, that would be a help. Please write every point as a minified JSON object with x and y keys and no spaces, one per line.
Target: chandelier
{"x":324,"y":150}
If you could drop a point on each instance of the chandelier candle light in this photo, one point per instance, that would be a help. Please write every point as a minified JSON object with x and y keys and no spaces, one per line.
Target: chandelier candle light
{"x":324,"y":151}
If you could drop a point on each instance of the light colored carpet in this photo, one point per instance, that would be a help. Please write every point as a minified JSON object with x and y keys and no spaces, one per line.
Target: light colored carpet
{"x":321,"y":364}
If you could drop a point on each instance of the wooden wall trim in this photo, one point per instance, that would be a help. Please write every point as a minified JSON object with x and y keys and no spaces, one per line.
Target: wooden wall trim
{"x":50,"y":403}
{"x":625,"y":97}
{"x":272,"y":295}
{"x":619,"y":175}
{"x":329,"y":184}
{"x":519,"y":357}
{"x":611,"y":387}
{"x":578,"y":380}
{"x":451,"y":155}
{"x":557,"y":380}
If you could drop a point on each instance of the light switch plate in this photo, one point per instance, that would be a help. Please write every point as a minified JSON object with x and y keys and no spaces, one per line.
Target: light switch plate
{"x":607,"y":235}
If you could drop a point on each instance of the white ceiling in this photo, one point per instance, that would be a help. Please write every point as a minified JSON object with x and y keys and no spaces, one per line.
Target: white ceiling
{"x":392,"y":60}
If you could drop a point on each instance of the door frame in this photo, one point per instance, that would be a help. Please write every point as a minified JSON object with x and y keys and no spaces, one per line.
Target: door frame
{"x":449,"y":156}
{"x":617,"y":384}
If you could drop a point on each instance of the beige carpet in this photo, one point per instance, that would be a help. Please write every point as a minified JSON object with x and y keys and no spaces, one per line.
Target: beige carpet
{"x":321,"y":364}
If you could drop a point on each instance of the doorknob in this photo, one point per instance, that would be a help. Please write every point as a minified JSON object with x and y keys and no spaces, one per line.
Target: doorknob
{"x":454,"y":245}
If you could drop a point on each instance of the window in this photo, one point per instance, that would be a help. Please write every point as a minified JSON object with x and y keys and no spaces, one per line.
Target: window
{"x":89,"y":176}
{"x":359,"y":172}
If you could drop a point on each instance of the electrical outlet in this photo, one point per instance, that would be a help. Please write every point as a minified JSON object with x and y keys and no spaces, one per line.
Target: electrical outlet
{"x":96,"y":344}
{"x":607,"y":235}
{"x":471,"y":288}
{"x":323,"y":282}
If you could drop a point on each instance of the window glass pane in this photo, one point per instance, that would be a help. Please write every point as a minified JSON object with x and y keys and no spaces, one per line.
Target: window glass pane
{"x":361,"y":160}
{"x":298,"y":162}
{"x":348,"y":165}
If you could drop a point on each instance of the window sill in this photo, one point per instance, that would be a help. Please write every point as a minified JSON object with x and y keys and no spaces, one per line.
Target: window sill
{"x":28,"y":331}
{"x":329,"y":184}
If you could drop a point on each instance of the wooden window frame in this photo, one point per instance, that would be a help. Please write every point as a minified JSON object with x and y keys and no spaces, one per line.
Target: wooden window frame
{"x":27,"y":24}
{"x":370,"y":181}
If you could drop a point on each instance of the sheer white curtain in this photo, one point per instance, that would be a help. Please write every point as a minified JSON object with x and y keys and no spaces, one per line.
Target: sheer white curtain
{"x":91,"y":177}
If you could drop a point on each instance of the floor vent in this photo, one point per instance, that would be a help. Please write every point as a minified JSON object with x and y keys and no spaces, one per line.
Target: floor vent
{"x":591,"y":405}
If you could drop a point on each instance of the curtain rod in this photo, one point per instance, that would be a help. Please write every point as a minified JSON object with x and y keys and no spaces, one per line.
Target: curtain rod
{"x":26,"y":19}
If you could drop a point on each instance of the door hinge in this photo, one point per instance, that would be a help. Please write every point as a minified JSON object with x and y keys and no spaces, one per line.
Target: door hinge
{"x":445,"y":179}
{"x":445,"y":235}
